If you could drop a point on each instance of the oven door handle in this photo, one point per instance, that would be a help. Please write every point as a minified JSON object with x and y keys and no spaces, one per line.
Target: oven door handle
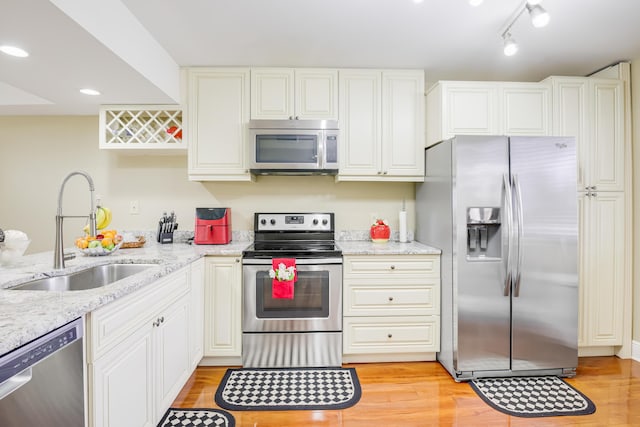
{"x":299,"y":261}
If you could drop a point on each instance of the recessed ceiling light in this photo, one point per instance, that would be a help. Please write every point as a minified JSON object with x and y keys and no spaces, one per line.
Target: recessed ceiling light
{"x":418,"y":1}
{"x":14,"y":51}
{"x":475,"y":2}
{"x":91,"y":92}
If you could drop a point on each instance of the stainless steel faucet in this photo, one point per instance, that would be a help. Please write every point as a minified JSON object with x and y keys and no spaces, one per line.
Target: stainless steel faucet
{"x":59,"y":256}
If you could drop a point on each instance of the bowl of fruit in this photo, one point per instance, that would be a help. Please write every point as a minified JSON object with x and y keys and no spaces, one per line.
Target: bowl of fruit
{"x":105,"y":243}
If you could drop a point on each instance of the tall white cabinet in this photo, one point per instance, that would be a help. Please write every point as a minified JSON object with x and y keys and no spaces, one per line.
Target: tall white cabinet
{"x":593,"y":111}
{"x":218,"y":110}
{"x":381,"y":125}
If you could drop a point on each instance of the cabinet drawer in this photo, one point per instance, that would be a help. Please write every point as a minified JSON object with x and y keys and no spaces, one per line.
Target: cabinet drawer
{"x":113,"y":322}
{"x":409,"y":334}
{"x":364,"y":298}
{"x":402,"y":266}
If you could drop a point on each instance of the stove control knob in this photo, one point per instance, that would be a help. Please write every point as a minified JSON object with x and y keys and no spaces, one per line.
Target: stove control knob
{"x":263,"y":221}
{"x":273,"y":221}
{"x":324,"y":221}
{"x":315,"y":221}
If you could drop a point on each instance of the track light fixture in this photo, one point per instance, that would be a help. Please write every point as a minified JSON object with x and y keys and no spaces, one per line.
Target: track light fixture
{"x":539,"y":18}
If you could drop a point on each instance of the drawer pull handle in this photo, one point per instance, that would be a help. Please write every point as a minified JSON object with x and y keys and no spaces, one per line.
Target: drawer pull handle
{"x":393,"y":267}
{"x":390,"y":298}
{"x":389,"y":336}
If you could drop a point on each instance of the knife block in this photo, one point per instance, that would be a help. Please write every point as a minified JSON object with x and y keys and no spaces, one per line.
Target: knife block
{"x":165,"y":237}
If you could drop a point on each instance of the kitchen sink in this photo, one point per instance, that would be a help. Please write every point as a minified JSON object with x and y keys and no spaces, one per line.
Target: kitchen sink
{"x":90,"y":278}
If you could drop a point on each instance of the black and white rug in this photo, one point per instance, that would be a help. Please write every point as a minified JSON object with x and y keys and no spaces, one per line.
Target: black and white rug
{"x":201,"y":417}
{"x":286,"y":389}
{"x":533,"y":396}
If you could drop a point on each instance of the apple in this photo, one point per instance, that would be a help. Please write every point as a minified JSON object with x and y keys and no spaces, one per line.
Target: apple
{"x":95,"y":244}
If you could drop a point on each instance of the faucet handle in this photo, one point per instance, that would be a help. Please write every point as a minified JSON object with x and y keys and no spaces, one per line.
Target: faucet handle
{"x":68,"y":256}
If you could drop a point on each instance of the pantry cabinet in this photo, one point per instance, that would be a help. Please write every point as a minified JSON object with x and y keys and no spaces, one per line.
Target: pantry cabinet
{"x":592,"y":110}
{"x":138,"y":355}
{"x":391,"y":308}
{"x":602,"y":268}
{"x":218,"y":108}
{"x":381,"y":125}
{"x":487,"y":108}
{"x":223,"y":311}
{"x":294,"y":93}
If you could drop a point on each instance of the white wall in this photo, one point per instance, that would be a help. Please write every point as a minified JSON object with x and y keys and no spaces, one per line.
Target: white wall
{"x":36,"y":153}
{"x":635,"y":113}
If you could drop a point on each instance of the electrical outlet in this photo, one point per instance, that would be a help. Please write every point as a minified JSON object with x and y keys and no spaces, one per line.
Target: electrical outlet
{"x":134,"y":208}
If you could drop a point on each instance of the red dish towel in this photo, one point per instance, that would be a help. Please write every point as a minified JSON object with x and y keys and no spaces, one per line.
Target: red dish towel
{"x":283,"y":289}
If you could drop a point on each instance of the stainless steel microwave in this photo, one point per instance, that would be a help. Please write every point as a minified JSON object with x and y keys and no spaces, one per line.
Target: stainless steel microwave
{"x":293,"y":147}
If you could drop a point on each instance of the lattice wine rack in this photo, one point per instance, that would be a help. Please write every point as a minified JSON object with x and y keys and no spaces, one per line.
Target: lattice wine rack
{"x":141,"y":127}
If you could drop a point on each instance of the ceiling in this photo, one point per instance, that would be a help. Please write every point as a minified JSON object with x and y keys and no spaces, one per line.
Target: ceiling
{"x":132,"y":50}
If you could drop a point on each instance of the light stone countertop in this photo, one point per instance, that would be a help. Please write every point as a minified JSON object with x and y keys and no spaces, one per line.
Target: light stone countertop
{"x":362,"y":247}
{"x":26,"y":315}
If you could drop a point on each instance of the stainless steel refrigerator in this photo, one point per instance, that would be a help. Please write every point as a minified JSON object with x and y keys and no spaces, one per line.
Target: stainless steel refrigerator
{"x":503,"y":210}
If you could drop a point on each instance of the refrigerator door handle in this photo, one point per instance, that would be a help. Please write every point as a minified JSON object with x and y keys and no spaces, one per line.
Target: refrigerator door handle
{"x":520,"y":223}
{"x":508,"y":206}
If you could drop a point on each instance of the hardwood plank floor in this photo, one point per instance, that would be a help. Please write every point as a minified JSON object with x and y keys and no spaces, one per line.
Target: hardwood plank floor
{"x":423,"y":394}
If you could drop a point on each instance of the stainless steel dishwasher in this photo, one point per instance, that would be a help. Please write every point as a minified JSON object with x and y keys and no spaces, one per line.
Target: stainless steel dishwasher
{"x":42,"y":382}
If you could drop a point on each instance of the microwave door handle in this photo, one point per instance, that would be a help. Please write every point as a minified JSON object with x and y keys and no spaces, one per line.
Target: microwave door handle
{"x":321,"y":148}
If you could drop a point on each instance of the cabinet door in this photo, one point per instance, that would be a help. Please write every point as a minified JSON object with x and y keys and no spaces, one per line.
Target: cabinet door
{"x":570,"y":119}
{"x":272,"y":93}
{"x":218,"y":117}
{"x":606,"y":170}
{"x":403,"y":124}
{"x":123,"y":383}
{"x":316,"y":94}
{"x":196,"y":313}
{"x":223,"y":307}
{"x":469,"y":108}
{"x":525,"y":109}
{"x":360,"y":123}
{"x":602,"y":269}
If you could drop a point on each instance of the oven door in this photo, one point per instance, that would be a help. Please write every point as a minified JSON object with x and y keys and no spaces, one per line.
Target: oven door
{"x":316,"y":305}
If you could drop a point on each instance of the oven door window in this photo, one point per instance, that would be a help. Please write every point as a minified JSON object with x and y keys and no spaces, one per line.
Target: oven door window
{"x":287,"y":149}
{"x":310,"y":297}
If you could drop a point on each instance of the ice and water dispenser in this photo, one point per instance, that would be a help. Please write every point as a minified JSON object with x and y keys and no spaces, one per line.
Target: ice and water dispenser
{"x":483,"y":232}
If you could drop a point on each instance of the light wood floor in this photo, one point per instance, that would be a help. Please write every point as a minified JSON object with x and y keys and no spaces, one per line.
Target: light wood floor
{"x":423,"y":394}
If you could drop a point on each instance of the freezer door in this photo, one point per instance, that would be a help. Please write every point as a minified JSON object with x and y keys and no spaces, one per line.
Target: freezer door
{"x":482,"y":304}
{"x":545,"y":291}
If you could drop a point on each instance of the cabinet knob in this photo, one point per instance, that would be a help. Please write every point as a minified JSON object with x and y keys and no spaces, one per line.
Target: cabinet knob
{"x":389,"y":336}
{"x":290,"y":117}
{"x":379,"y":172}
{"x":393,"y":267}
{"x":390,"y":298}
{"x":162,"y":319}
{"x":384,"y":173}
{"x":156,"y":323}
{"x":297,"y":118}
{"x":237,"y":260}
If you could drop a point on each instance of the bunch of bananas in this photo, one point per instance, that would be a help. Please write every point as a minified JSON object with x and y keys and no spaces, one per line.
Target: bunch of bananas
{"x":103,"y":219}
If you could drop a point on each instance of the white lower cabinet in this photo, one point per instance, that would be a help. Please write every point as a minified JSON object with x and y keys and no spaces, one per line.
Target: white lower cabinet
{"x":223,"y":311}
{"x":196,"y":315}
{"x":391,"y":308}
{"x":138,"y":353}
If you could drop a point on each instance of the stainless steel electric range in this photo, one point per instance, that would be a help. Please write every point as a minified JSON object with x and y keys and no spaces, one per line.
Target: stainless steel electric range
{"x":305,"y":330}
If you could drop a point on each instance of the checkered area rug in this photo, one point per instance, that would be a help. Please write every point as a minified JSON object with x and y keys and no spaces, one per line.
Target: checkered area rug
{"x":533,"y":396}
{"x":190,"y":417}
{"x":287,"y":389}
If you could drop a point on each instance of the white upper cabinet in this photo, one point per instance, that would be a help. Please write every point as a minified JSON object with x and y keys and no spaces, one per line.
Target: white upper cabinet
{"x":592,"y":110}
{"x":218,"y":118}
{"x":487,"y":108}
{"x":381,"y":125}
{"x":300,"y":93}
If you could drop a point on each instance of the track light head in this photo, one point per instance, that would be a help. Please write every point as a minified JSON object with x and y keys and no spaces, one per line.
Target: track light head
{"x":510,"y":46}
{"x":539,"y":16}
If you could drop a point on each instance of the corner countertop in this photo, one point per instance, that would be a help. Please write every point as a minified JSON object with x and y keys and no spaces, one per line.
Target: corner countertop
{"x":26,"y":315}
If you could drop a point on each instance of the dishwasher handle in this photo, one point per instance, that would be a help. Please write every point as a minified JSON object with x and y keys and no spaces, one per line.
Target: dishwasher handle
{"x":15,"y":382}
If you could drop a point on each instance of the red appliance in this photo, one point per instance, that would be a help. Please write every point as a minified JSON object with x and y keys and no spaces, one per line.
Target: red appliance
{"x":213,"y":226}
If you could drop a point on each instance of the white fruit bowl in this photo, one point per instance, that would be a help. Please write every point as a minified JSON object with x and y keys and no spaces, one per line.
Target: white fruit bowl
{"x":99,"y":251}
{"x":12,"y":250}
